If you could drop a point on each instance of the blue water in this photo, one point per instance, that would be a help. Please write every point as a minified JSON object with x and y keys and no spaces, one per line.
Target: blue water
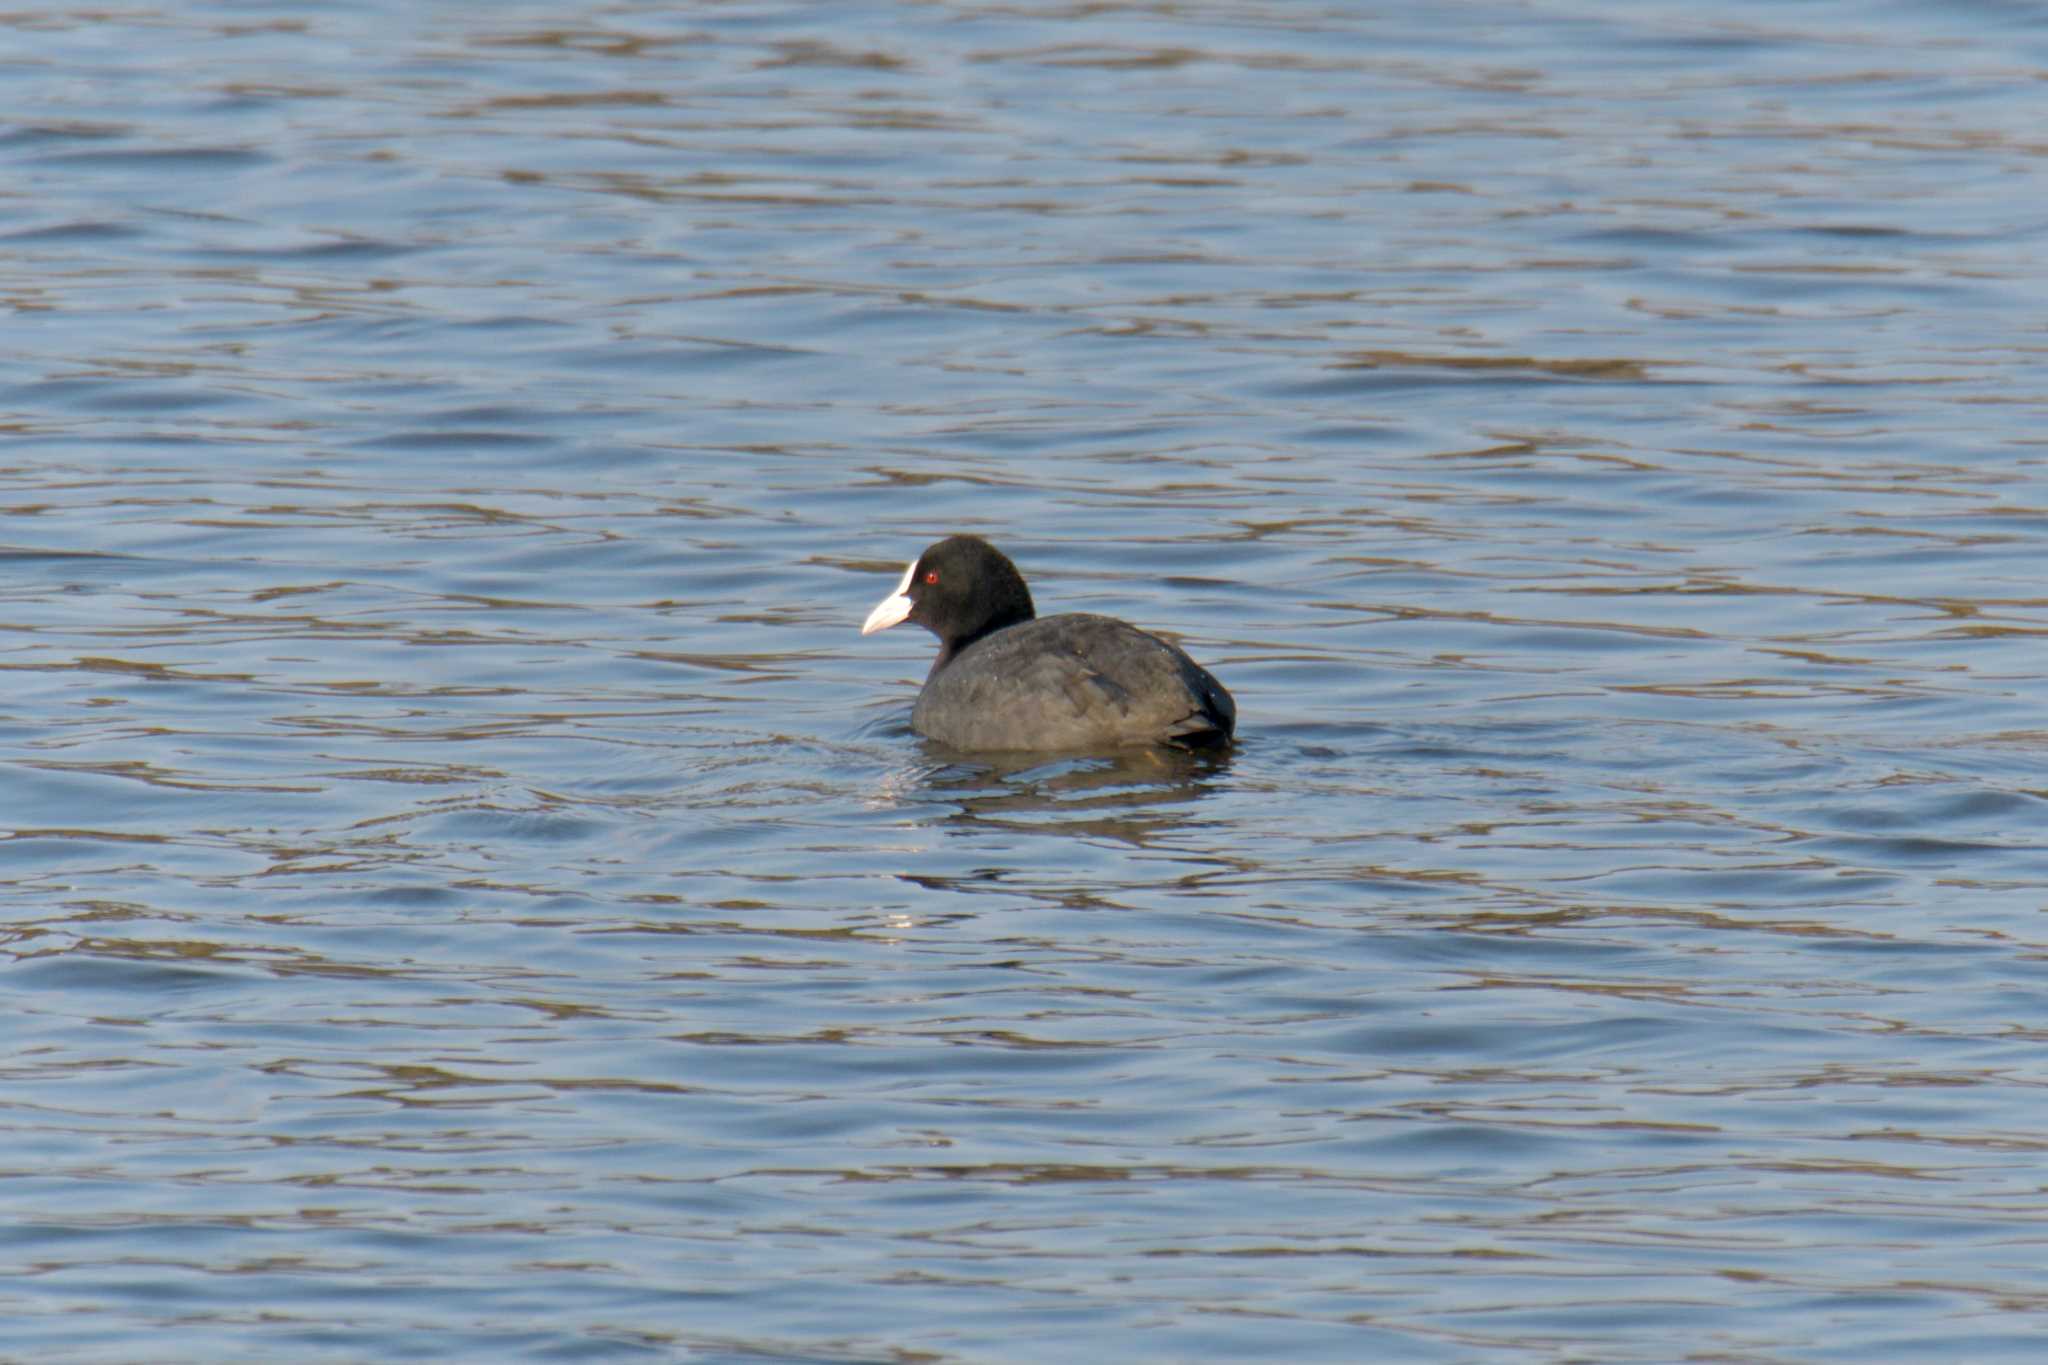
{"x":472,"y":894}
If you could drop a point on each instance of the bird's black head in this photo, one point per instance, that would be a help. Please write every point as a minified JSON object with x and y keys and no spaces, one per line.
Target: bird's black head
{"x":960,"y":590}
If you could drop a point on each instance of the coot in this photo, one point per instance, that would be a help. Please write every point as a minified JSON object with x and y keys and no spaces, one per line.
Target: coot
{"x":1006,"y":679}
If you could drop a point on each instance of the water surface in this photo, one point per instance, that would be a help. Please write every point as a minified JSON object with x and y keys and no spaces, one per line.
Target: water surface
{"x":471,"y":893}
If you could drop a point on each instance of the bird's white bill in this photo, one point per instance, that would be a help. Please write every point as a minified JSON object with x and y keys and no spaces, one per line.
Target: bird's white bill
{"x":893,"y":608}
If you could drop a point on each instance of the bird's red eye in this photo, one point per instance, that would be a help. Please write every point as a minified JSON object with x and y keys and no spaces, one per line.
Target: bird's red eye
{"x":931,"y":575}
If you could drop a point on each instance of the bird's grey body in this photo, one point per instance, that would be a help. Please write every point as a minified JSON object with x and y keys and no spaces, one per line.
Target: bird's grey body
{"x":1073,"y":681}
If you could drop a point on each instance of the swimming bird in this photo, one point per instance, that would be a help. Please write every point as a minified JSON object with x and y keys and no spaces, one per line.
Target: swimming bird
{"x":1007,"y":678}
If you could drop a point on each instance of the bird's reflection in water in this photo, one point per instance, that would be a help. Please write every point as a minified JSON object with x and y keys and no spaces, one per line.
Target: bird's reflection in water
{"x":1133,"y":796}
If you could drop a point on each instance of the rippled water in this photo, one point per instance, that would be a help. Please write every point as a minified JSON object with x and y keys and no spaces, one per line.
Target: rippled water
{"x":471,"y":893}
